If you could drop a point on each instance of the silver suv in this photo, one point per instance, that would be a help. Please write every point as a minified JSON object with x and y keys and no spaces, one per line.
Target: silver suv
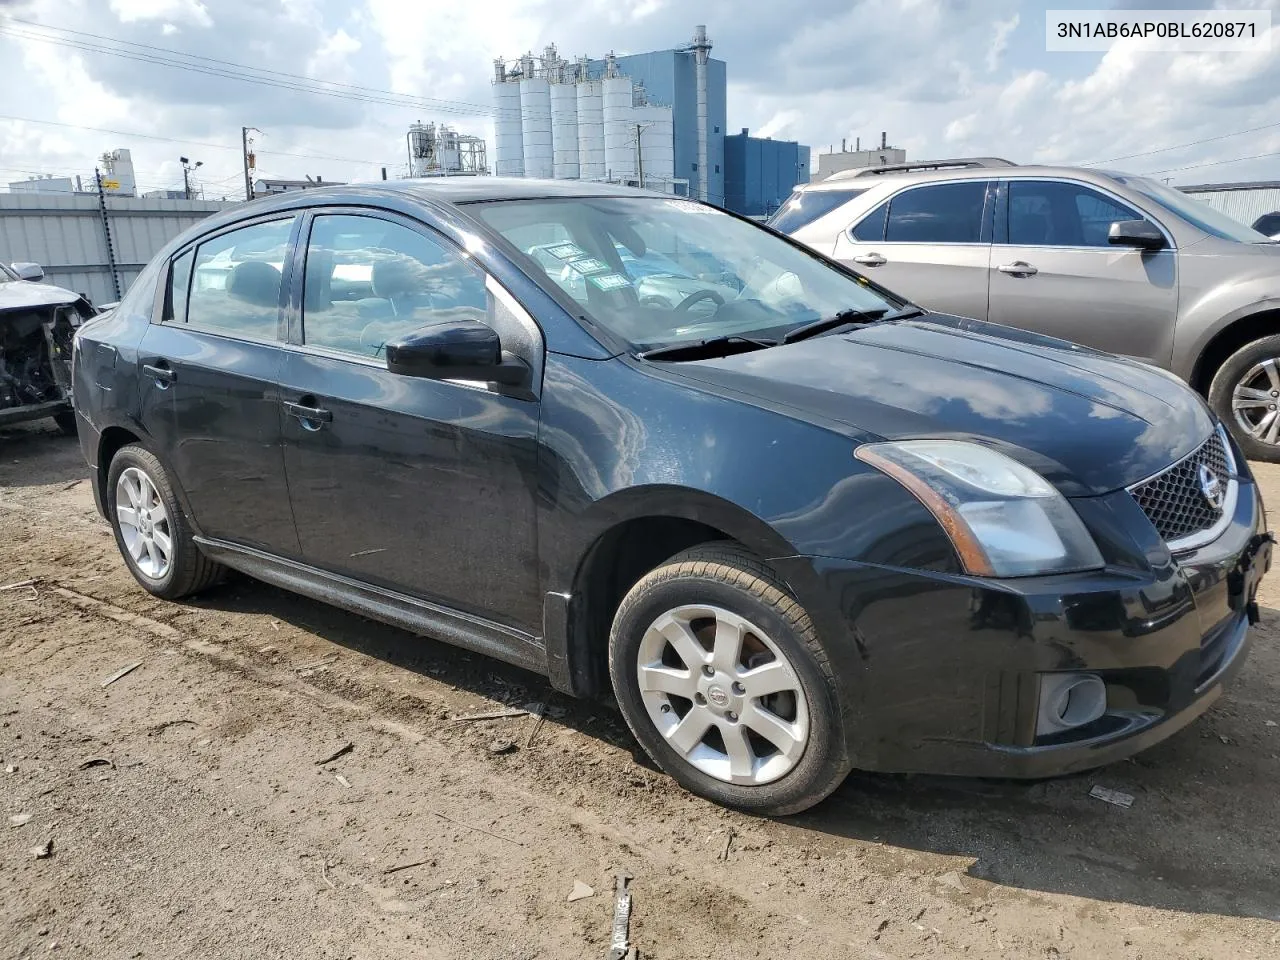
{"x":1117,"y":262}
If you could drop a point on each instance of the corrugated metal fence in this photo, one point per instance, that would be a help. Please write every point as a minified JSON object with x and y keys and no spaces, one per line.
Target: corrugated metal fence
{"x":1245,"y":202}
{"x":65,"y":235}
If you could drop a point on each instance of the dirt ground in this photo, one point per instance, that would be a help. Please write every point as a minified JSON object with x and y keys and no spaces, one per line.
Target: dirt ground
{"x":189,"y":816}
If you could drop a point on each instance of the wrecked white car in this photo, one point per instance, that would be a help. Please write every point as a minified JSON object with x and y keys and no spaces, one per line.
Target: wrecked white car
{"x":37,"y":325}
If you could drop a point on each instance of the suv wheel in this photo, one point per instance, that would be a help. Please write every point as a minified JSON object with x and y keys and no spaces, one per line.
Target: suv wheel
{"x":723,"y":680}
{"x":151,"y":530}
{"x":1245,"y":394}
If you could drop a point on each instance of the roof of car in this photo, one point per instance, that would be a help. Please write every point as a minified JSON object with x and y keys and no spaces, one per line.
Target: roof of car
{"x":848,"y":179}
{"x":473,"y":189}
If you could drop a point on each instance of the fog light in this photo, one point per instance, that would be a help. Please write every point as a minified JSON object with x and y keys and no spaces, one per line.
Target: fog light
{"x":1069,"y":700}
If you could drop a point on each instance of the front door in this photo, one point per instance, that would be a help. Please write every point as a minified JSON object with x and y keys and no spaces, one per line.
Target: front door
{"x":1053,"y":271}
{"x":931,"y":244}
{"x":423,"y":486}
{"x":208,"y":381}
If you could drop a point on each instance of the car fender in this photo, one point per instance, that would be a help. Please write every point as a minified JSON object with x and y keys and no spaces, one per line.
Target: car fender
{"x":1211,"y":314}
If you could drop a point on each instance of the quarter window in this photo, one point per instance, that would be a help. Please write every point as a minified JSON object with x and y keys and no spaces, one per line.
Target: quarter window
{"x":938,"y":213}
{"x":369,"y":281}
{"x":805,"y":206}
{"x":871,"y":228}
{"x":1056,"y":214}
{"x":236,"y":282}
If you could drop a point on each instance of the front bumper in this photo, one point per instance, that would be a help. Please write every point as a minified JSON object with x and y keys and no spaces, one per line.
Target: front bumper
{"x":941,"y":672}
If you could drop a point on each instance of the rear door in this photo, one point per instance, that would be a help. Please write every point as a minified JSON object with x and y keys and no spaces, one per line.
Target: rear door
{"x":931,"y":243}
{"x":207,"y":378}
{"x":427,"y":487}
{"x":1053,"y":271}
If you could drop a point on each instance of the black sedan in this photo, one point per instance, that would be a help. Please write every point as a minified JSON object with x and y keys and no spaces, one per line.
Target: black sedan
{"x":793,"y":522}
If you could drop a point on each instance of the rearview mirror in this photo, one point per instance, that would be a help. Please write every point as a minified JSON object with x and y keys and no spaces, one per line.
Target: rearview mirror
{"x":1136,"y":233}
{"x":456,"y":350}
{"x":28,"y":271}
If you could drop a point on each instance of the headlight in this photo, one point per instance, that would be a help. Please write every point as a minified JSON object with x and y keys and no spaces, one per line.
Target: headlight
{"x":1004,"y":519}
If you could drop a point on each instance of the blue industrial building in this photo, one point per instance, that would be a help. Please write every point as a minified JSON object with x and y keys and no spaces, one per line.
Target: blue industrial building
{"x":668,"y":79}
{"x":760,"y":172}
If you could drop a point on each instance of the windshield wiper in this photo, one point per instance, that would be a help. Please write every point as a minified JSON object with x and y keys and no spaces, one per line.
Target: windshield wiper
{"x":700,"y":349}
{"x":843,"y":318}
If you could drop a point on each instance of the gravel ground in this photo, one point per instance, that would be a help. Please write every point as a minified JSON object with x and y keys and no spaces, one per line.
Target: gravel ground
{"x":189,"y":816}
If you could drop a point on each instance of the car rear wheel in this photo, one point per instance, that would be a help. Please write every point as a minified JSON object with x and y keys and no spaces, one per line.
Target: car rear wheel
{"x":151,"y":530}
{"x":1245,"y":394}
{"x":722,"y":678}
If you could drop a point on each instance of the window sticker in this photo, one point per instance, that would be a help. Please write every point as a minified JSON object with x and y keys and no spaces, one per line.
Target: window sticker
{"x":610,"y":281}
{"x":566,"y":251}
{"x":586,"y":265}
{"x":688,"y":206}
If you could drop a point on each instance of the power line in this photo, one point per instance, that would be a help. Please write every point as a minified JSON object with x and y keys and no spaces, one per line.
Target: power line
{"x":194,"y":143}
{"x":1179,"y":146}
{"x":442,"y":104}
{"x":1215,"y":163}
{"x":291,"y":82}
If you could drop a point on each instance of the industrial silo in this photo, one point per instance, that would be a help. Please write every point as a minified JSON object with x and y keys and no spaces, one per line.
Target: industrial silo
{"x":590,"y":129}
{"x":535,"y":117}
{"x":508,"y":138}
{"x":619,"y":128}
{"x":564,"y":131}
{"x":657,"y":143}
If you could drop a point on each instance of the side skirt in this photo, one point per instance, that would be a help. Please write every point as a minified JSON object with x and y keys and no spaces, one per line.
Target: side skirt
{"x":409,"y":613}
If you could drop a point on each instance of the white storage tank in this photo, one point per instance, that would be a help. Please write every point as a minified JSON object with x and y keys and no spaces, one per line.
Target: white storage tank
{"x":619,"y":128}
{"x":508,"y":136}
{"x":590,"y":130}
{"x":657,"y":142}
{"x":564,"y":131}
{"x":535,"y":115}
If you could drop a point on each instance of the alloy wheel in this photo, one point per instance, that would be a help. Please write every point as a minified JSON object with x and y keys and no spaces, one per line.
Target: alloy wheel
{"x":144,"y":524}
{"x":1255,"y":401}
{"x":723,"y":694}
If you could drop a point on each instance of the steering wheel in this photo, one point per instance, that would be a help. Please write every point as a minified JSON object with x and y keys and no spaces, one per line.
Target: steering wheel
{"x":696,"y":297}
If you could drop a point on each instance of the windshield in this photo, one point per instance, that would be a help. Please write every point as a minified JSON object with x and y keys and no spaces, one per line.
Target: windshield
{"x":660,"y":272}
{"x":7,"y":275}
{"x":1196,"y":212}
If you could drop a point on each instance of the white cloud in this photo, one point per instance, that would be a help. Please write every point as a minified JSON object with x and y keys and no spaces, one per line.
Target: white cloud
{"x":1002,"y":30}
{"x":182,"y":10}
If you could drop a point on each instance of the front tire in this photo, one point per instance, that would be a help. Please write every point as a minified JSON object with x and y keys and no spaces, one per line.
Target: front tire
{"x":722,"y":678}
{"x":1245,"y":394}
{"x":151,"y":530}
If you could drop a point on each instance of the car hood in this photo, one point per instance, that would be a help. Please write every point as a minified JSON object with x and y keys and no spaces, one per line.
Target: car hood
{"x":23,"y":295}
{"x":1087,"y":421}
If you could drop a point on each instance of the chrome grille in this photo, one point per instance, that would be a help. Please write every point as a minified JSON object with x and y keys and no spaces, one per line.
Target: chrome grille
{"x":1174,"y":500}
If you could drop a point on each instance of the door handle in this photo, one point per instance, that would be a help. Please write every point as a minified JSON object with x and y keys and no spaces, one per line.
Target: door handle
{"x":1019,"y":268}
{"x":161,"y":373}
{"x":870,"y":260}
{"x":308,"y":415}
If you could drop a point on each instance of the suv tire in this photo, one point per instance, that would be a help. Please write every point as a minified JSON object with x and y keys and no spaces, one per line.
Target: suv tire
{"x":1241,"y":371}
{"x":770,"y":646}
{"x":151,"y":530}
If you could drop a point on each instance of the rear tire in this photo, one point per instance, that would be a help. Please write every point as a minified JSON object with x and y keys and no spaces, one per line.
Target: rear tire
{"x":1251,"y":376}
{"x":773,"y":753}
{"x":151,"y":530}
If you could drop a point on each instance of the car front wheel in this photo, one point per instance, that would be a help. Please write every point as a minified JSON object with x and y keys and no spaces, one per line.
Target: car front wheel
{"x":722,"y":678}
{"x":151,"y":530}
{"x":1245,"y":394}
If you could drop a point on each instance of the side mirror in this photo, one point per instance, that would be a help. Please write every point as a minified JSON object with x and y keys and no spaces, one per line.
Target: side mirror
{"x":1136,"y":233}
{"x":456,"y":350}
{"x":28,"y":271}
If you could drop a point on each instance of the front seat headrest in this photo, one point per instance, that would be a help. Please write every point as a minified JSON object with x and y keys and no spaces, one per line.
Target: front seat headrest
{"x":256,"y":282}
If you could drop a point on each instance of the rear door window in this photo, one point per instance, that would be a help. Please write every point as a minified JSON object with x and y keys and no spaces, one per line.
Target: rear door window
{"x":805,"y":206}
{"x":871,"y":227}
{"x":938,"y":213}
{"x":236,"y":281}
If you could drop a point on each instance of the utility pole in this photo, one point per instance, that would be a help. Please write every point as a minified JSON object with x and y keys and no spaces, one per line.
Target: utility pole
{"x":640,"y":154}
{"x":186,"y":176}
{"x":248,"y":159}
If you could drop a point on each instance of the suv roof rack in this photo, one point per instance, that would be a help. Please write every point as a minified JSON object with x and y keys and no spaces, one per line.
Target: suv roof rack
{"x":963,"y":163}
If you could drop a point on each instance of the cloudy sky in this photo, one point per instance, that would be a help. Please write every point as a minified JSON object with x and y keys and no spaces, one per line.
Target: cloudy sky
{"x":942,"y":77}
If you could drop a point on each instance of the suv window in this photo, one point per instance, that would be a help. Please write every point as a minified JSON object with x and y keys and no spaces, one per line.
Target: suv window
{"x":1268,"y":224}
{"x":368,"y":281}
{"x":236,"y":282}
{"x":938,"y":213}
{"x":805,"y":206}
{"x":1055,"y":214}
{"x":872,"y":226}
